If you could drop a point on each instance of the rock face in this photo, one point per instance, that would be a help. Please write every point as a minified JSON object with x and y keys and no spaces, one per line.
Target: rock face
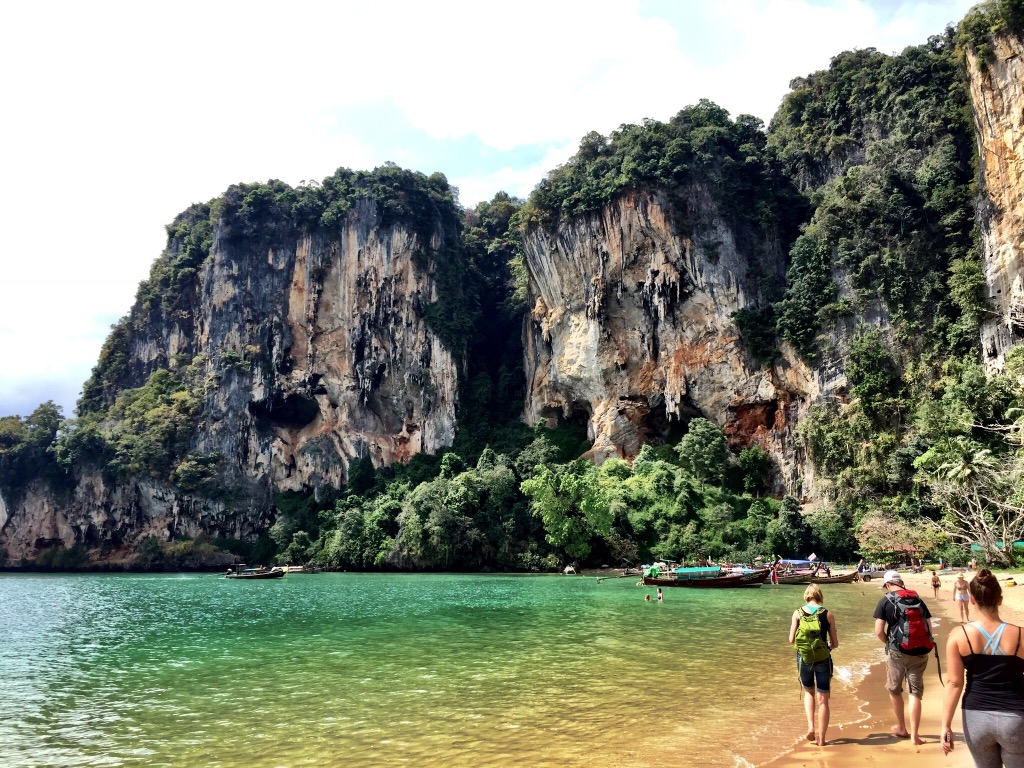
{"x":340,"y":361}
{"x":632,"y":328}
{"x":997,"y":93}
{"x":111,"y":519}
{"x":314,"y":352}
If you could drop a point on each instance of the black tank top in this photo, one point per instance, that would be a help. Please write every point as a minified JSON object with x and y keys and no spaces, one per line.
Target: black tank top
{"x":994,"y":682}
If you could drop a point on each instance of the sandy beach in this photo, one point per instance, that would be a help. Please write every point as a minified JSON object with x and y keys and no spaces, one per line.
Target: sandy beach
{"x":869,"y":741}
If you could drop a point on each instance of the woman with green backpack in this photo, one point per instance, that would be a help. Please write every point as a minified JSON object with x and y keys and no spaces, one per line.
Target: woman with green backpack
{"x":813,"y":631}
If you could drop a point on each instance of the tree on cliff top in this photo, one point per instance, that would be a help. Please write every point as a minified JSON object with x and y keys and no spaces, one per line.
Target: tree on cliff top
{"x":700,"y":146}
{"x":26,"y":449}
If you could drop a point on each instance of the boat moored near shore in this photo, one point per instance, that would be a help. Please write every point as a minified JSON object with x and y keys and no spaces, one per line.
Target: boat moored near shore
{"x":705,"y":577}
{"x":242,"y":571}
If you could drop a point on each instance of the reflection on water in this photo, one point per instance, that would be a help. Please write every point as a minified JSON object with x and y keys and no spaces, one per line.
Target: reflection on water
{"x":426,"y":670}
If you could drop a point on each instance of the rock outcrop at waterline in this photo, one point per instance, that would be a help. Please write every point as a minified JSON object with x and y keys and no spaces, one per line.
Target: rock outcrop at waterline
{"x":632,"y":327}
{"x":997,"y":95}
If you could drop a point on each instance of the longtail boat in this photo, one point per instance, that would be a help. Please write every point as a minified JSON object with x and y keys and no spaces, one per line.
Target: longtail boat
{"x":711,"y":577}
{"x":817,"y":578}
{"x":837,"y":578}
{"x":242,"y":572}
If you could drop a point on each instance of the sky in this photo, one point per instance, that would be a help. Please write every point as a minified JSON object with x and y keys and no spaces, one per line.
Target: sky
{"x":116,"y":116}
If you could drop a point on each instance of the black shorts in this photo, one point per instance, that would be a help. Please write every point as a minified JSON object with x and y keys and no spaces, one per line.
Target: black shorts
{"x":817,"y":675}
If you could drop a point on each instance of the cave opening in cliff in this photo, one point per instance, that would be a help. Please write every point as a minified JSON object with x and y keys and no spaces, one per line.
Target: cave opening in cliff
{"x":293,"y":411}
{"x":666,"y":428}
{"x":570,"y":430}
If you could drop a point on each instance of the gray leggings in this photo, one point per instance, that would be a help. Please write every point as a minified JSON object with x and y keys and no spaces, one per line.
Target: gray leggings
{"x":996,"y":739}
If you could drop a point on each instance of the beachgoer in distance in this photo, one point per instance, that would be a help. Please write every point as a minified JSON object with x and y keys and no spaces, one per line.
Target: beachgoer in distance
{"x":661,"y":597}
{"x":814,"y":659}
{"x":992,"y":654}
{"x":961,"y":598}
{"x":900,"y":665}
{"x":647,"y":598}
{"x":936,"y":582}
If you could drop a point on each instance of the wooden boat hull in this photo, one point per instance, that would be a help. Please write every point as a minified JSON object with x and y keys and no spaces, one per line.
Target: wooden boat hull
{"x":257,"y":575}
{"x":753,"y":579}
{"x":842,"y":578}
{"x":800,"y":579}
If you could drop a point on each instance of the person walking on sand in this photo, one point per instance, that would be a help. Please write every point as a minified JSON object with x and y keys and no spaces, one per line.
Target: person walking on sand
{"x":991,"y":653}
{"x":902,"y":623}
{"x":936,"y":583}
{"x":961,"y":598}
{"x":813,"y":631}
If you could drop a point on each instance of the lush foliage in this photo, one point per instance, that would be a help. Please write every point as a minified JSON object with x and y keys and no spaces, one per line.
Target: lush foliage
{"x":885,"y":146}
{"x":986,"y":19}
{"x":701,"y":146}
{"x":147,"y":431}
{"x":27,"y":450}
{"x":539,"y":507}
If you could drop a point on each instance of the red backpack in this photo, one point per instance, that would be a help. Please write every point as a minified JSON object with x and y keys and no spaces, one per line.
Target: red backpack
{"x":911,"y":633}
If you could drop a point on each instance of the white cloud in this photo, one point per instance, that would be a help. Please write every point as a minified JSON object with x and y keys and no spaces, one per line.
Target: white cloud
{"x":118,"y":115}
{"x":518,"y":182}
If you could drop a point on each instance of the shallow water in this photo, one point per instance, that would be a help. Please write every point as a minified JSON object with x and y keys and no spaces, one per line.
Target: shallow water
{"x":425,"y":670}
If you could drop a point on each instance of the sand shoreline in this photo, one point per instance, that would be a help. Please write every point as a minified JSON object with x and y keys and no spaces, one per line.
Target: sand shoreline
{"x":868,"y":740}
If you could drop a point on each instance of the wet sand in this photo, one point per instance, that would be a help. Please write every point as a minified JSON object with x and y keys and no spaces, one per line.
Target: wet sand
{"x":869,"y":741}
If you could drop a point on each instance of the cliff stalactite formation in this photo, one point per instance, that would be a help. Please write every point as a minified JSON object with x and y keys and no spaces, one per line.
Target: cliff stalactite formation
{"x":632,"y":328}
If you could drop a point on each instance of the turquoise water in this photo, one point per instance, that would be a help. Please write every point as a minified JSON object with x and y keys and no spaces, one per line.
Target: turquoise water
{"x":425,"y":670}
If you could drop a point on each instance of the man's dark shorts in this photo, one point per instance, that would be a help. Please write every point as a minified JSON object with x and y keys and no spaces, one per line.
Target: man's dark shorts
{"x":817,"y":675}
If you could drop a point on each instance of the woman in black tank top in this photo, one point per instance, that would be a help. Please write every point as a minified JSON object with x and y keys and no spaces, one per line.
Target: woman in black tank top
{"x":990,"y":653}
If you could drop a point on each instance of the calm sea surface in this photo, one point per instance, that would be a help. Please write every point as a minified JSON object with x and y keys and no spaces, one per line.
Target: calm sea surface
{"x":423,"y":670}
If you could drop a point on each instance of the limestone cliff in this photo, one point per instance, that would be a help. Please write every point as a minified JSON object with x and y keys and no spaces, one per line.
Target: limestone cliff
{"x":309,"y":351}
{"x":997,"y":93}
{"x":632,"y":327}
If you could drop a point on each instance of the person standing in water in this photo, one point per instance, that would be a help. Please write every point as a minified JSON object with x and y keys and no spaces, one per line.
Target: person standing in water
{"x":961,"y":598}
{"x":991,"y":653}
{"x":813,"y":631}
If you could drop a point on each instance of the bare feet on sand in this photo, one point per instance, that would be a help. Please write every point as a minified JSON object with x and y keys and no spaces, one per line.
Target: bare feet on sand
{"x":899,"y":734}
{"x":810,"y":735}
{"x":918,"y":740}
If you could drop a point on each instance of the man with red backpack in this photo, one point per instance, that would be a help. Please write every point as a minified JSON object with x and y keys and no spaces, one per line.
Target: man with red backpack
{"x":903,"y":623}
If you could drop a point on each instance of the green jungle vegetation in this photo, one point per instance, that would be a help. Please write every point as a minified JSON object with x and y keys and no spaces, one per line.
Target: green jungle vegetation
{"x":865,"y":182}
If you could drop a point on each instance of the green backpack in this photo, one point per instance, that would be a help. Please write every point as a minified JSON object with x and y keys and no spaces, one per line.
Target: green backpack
{"x":810,"y":637}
